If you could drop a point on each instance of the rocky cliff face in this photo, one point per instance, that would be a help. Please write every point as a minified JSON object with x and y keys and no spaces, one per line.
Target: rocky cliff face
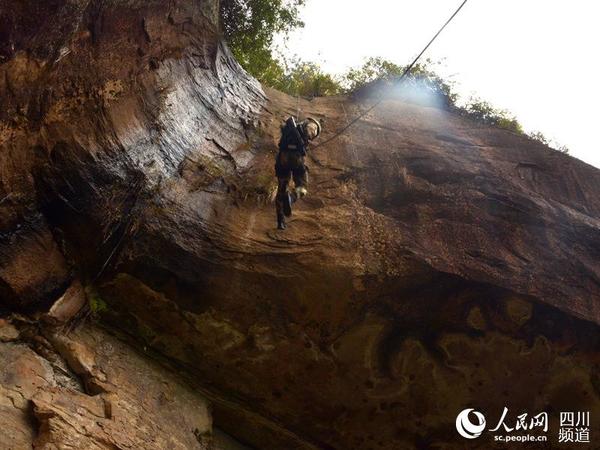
{"x":436,"y":265}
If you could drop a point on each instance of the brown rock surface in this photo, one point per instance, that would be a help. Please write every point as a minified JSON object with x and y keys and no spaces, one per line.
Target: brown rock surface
{"x":68,"y":305}
{"x":8,"y":332}
{"x":31,"y":266}
{"x":437,"y":264}
{"x":143,"y":405}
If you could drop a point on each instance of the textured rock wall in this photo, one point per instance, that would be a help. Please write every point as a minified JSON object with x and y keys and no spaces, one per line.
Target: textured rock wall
{"x":425,"y":273}
{"x":101,"y":106}
{"x":89,"y":390}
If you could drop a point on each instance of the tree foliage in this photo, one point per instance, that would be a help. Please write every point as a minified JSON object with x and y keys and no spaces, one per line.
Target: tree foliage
{"x":382,"y":69}
{"x":541,"y":138}
{"x":483,"y":112}
{"x":250,"y":26}
{"x":306,"y":79}
{"x":424,"y":73}
{"x":372,"y":69}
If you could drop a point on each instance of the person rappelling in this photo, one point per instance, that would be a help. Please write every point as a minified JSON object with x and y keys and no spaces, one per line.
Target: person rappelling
{"x":290,"y":163}
{"x":295,"y":138}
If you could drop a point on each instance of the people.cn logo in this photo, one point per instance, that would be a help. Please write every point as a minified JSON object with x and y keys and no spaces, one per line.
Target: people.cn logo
{"x":468,"y":429}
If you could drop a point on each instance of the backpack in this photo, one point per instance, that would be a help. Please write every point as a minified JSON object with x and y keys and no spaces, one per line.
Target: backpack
{"x":291,"y":139}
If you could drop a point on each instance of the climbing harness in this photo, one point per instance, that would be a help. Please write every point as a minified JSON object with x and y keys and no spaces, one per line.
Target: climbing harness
{"x":404,"y":73}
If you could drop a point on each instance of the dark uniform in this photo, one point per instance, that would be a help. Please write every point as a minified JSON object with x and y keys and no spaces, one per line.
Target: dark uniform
{"x":290,"y":163}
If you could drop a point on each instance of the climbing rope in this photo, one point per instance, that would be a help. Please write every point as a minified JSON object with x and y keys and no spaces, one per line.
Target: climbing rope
{"x":298,"y":104}
{"x":404,"y":73}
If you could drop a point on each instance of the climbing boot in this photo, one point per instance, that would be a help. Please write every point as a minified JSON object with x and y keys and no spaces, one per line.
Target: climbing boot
{"x":287,"y":205}
{"x":298,"y":193}
{"x":280,"y":221}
